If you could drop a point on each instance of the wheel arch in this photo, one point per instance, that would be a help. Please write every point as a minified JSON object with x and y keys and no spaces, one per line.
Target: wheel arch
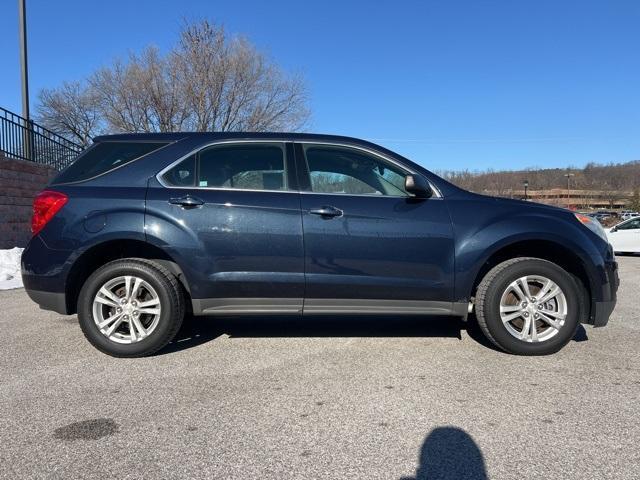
{"x":104,"y":252}
{"x":550,"y":250}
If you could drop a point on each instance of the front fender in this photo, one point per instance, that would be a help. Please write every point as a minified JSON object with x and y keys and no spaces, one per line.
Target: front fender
{"x":475,"y":246}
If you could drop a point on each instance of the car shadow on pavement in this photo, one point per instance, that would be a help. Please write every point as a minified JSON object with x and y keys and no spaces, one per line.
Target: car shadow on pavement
{"x":449,"y":453}
{"x":473,"y":330}
{"x":198,"y":330}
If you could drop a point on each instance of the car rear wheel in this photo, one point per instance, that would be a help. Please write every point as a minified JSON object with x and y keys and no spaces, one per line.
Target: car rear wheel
{"x":130,"y":308}
{"x":528,"y":306}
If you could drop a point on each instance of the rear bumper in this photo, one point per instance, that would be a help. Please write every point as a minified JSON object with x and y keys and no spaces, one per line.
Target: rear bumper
{"x":49,"y":300}
{"x":44,"y":276}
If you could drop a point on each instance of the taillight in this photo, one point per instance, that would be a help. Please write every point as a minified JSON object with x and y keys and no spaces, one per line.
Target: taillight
{"x":46,"y":204}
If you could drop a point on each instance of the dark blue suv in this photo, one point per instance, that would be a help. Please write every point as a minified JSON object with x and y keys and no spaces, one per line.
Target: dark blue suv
{"x":144,"y":228}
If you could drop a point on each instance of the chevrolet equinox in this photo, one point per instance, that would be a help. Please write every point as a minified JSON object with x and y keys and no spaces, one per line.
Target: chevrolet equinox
{"x":143,"y":228}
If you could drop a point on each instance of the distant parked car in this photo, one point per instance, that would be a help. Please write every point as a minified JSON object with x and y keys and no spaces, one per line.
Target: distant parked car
{"x":143,"y":228}
{"x":629,"y":215}
{"x":625,"y":236}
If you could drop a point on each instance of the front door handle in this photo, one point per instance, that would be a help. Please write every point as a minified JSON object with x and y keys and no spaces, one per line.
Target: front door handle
{"x":326,"y":211}
{"x":188,"y":201}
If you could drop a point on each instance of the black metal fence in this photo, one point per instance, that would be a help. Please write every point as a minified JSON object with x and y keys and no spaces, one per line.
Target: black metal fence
{"x":27,"y":140}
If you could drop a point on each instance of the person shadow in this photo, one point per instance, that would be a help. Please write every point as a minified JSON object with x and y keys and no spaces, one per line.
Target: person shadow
{"x":449,"y":453}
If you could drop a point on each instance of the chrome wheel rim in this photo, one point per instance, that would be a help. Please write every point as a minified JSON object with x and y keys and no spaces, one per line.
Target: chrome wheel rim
{"x":533,"y":308}
{"x":126,"y":309}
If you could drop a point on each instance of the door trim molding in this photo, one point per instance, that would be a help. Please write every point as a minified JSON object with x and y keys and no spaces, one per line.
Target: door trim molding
{"x":325,"y":306}
{"x":246,"y":306}
{"x":318,"y":306}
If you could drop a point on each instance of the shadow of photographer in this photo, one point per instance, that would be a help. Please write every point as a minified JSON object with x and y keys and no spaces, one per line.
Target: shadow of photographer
{"x":449,"y":453}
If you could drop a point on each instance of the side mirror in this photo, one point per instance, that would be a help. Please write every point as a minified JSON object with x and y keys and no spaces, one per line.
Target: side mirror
{"x":613,"y":229}
{"x":417,"y":186}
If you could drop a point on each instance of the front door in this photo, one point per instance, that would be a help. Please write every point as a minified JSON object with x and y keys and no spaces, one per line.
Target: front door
{"x":231,"y":213}
{"x":369,"y":245}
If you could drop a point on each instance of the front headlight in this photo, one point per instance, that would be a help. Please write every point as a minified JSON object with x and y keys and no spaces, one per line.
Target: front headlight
{"x":592,"y":224}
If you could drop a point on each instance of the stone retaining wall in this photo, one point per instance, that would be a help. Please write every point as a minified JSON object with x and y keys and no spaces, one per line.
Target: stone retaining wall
{"x":20,"y":181}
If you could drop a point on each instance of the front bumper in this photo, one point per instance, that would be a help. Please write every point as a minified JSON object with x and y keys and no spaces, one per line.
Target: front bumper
{"x":601,"y":310}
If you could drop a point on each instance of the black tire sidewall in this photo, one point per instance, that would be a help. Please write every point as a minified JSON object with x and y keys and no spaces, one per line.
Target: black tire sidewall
{"x":168,"y":316}
{"x":492,"y":307}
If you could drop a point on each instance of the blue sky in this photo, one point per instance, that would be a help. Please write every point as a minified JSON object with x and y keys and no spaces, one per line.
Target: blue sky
{"x":451,"y":84}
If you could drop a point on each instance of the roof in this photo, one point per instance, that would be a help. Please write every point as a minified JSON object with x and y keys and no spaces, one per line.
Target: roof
{"x":206,"y":136}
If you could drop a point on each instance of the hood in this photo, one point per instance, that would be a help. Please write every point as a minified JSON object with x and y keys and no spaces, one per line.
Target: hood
{"x":521,"y":203}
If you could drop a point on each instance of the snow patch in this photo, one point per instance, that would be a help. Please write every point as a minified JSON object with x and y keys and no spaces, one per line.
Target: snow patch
{"x":10,"y":276}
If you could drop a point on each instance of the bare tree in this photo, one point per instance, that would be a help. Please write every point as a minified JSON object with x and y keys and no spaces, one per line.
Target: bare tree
{"x":207,"y":82}
{"x":70,"y":110}
{"x":142,"y":95}
{"x":229,"y":85}
{"x":634,"y":204}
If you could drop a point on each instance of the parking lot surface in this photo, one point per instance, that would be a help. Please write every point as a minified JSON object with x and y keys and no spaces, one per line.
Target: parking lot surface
{"x":319,"y":398}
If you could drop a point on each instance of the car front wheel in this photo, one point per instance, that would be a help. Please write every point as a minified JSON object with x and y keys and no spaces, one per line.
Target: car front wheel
{"x":528,"y":306}
{"x":130,"y":308}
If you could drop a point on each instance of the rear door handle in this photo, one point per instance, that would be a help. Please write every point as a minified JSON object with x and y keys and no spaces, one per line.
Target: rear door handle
{"x":187,"y":201}
{"x":326,"y":211}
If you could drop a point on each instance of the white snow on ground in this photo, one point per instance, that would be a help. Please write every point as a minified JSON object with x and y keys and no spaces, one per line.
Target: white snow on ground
{"x":10,"y":276}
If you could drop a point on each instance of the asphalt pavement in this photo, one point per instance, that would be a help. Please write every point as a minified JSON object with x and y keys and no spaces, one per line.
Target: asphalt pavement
{"x":319,"y":398}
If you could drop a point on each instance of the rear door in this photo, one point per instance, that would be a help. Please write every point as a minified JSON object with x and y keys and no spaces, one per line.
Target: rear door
{"x":369,"y":245}
{"x":231,"y":213}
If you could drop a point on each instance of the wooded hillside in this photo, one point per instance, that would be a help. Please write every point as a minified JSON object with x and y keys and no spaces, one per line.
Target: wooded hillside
{"x":615,"y":177}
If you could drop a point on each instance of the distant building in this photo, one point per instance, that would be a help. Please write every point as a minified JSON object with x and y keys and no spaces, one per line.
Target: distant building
{"x":574,"y":198}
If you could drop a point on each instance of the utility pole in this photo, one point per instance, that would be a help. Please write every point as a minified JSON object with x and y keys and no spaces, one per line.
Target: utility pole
{"x":22,"y":14}
{"x":24,"y":70}
{"x":568,"y":175}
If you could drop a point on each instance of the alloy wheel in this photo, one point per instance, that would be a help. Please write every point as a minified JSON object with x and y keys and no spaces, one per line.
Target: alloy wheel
{"x":533,"y":308}
{"x":126,"y":309}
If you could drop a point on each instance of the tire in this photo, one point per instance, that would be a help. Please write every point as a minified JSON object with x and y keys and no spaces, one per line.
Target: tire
{"x":496,"y":289}
{"x":148,"y":332}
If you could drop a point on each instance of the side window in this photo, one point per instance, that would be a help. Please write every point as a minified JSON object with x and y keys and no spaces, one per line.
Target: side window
{"x":631,"y":225}
{"x":243,"y":166}
{"x":103,"y":157}
{"x":183,"y":174}
{"x":349,"y":171}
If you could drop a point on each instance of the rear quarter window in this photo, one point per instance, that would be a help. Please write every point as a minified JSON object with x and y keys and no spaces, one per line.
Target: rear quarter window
{"x":104,"y":157}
